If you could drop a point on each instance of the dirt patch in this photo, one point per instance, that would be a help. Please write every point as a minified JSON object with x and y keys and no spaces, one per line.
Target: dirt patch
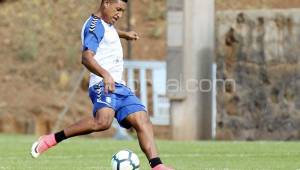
{"x":256,"y":4}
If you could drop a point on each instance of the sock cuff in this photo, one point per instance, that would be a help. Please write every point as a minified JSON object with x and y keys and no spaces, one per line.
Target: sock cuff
{"x":60,"y":136}
{"x":154,"y":162}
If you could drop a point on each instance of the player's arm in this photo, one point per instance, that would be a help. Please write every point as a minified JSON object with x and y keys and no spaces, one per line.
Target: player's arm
{"x":128,"y":35}
{"x":91,"y":64}
{"x":91,"y":42}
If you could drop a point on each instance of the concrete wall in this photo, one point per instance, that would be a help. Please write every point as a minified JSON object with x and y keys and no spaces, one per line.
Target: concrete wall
{"x":191,"y":52}
{"x":259,"y":50}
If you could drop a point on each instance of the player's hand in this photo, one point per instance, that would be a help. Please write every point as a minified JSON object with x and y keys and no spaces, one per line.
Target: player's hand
{"x":109,"y":83}
{"x":132,"y":35}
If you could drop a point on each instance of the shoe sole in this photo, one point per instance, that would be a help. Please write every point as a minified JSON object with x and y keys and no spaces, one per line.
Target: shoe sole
{"x":33,"y":153}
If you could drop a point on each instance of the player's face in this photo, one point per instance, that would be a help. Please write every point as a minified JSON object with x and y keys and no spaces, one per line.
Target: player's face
{"x":114,"y":11}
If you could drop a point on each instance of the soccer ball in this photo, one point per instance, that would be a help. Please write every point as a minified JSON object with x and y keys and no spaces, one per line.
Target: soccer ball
{"x":125,"y":160}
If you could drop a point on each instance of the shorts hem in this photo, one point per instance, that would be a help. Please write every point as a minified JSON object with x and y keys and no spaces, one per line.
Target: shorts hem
{"x":126,"y":111}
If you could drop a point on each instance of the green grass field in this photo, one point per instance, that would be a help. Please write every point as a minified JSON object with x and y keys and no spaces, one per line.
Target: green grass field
{"x":95,"y":154}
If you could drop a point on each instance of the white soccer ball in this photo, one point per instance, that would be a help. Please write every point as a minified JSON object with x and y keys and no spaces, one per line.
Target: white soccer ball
{"x":125,"y":160}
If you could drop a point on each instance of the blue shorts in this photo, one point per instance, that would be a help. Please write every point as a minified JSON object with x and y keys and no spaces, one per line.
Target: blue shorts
{"x":123,"y":101}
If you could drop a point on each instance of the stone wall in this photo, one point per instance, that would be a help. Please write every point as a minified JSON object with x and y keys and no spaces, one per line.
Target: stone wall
{"x":260,"y":50}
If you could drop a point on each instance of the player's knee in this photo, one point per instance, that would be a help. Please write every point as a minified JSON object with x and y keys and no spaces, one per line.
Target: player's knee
{"x":143,"y":123}
{"x":101,"y":125}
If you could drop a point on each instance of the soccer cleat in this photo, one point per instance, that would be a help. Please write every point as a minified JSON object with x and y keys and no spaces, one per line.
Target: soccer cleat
{"x":43,"y":144}
{"x":161,"y":167}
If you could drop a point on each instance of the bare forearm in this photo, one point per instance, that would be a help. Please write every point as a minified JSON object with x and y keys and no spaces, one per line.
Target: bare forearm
{"x":130,"y":35}
{"x":91,"y":64}
{"x":122,"y":34}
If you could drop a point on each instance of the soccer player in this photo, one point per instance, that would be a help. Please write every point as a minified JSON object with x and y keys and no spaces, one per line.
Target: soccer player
{"x":102,"y":55}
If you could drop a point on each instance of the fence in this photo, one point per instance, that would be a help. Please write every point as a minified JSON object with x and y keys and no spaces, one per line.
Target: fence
{"x":149,"y":80}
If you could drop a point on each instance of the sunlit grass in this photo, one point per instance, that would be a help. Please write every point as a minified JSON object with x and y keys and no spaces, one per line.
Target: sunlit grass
{"x":95,"y":154}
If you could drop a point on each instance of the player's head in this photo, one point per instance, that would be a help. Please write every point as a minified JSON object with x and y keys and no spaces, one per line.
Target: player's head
{"x":112,"y":10}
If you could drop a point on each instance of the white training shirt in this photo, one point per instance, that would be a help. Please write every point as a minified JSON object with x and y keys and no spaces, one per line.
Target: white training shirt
{"x":104,"y":41}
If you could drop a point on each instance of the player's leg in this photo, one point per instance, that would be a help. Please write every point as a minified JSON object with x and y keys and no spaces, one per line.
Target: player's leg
{"x":141,"y":123}
{"x":102,"y":121}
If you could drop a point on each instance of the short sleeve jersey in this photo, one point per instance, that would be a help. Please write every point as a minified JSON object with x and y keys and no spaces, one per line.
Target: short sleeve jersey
{"x":103,"y":40}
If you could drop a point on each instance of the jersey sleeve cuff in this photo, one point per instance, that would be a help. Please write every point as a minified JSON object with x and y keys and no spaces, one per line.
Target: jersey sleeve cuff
{"x":85,"y":48}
